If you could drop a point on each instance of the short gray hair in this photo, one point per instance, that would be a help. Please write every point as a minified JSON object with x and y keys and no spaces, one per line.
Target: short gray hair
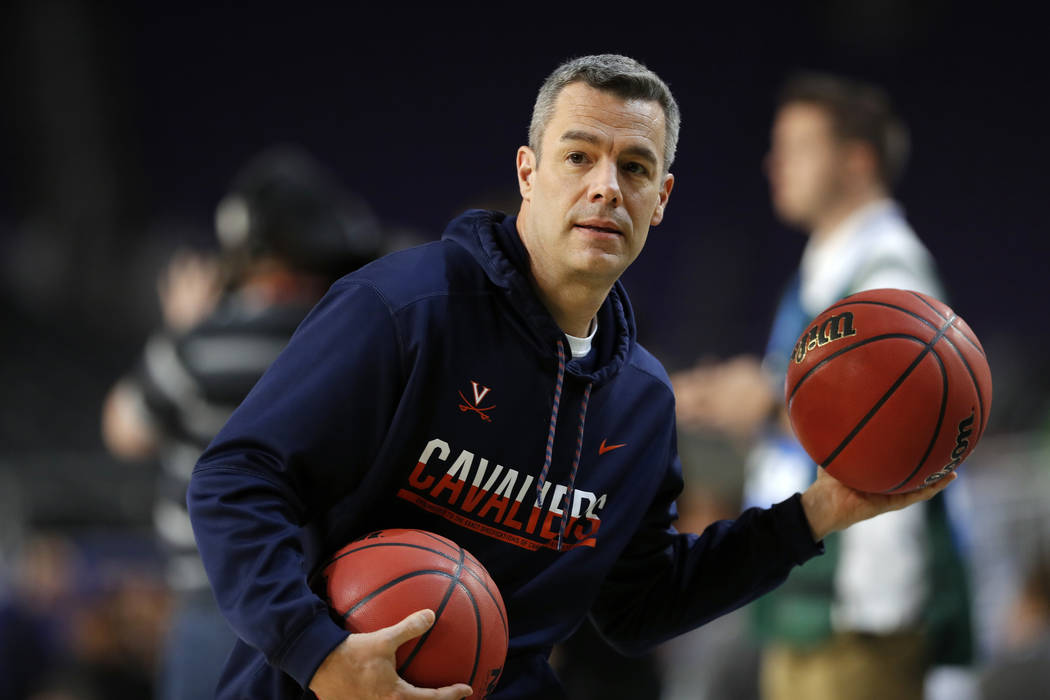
{"x":622,"y":76}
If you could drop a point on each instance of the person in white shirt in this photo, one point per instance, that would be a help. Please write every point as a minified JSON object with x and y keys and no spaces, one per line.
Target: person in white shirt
{"x":879,"y":611}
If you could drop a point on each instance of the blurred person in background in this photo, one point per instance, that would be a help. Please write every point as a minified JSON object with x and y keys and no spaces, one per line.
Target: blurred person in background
{"x":1022,"y":667}
{"x":287,"y":231}
{"x":34,"y":596}
{"x":82,"y":619}
{"x":890,"y":598}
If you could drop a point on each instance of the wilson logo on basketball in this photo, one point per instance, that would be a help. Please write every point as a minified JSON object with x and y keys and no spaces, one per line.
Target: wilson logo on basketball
{"x":961,"y":443}
{"x":833,"y":328}
{"x":479,"y":395}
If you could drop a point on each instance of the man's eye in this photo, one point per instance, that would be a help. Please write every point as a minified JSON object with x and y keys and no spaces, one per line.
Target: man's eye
{"x":636,"y":169}
{"x":576,"y":158}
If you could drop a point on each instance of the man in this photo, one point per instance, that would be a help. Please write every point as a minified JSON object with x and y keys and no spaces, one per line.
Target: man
{"x":889,"y":598}
{"x":287,"y":230}
{"x":448,"y":388}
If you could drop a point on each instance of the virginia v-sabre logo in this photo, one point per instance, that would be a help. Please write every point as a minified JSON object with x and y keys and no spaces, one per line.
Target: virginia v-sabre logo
{"x":480,"y":392}
{"x":833,"y":328}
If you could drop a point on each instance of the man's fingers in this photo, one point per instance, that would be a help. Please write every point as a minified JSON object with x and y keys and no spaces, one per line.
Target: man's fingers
{"x":935,"y":488}
{"x":452,"y":692}
{"x":924,"y":494}
{"x":411,"y":627}
{"x":408,"y":629}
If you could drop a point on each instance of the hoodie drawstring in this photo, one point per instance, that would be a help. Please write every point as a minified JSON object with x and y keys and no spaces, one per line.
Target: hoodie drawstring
{"x":541,"y":482}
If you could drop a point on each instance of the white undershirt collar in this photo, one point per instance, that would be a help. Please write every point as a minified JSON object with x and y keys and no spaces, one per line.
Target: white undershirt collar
{"x":580,"y":347}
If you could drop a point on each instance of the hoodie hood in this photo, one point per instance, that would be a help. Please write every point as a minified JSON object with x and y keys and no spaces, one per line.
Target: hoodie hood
{"x":492,"y":239}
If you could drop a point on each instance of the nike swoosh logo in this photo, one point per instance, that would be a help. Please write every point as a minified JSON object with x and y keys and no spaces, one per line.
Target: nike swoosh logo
{"x":603,"y":448}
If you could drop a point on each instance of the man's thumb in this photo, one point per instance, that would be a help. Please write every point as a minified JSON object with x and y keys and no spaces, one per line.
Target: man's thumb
{"x":412,"y":626}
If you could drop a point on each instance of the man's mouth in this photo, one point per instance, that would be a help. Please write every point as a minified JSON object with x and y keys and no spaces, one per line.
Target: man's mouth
{"x":601,"y":228}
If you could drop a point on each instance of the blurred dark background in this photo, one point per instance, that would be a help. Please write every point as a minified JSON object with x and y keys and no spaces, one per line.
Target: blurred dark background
{"x":121,"y":124}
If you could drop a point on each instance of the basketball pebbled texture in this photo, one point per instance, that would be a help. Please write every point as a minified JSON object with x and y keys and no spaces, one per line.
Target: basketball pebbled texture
{"x":889,"y":390}
{"x":378,"y":580}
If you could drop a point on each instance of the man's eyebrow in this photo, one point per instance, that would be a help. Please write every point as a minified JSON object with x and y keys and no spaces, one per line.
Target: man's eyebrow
{"x":638,"y":151}
{"x":641,"y":152}
{"x":576,"y":135}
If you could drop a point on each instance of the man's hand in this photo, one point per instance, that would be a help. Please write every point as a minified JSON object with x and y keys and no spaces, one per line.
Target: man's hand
{"x":732,"y":397}
{"x":830,"y":505}
{"x":127,"y":429}
{"x":363,"y":667}
{"x":188,"y":289}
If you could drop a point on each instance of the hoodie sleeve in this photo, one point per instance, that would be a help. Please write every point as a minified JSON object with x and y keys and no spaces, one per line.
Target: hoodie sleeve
{"x":667,"y":583}
{"x":301,"y":440}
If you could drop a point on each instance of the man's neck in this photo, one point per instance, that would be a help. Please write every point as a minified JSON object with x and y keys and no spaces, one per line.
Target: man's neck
{"x":572,"y":300}
{"x":833,"y":217}
{"x":572,"y":303}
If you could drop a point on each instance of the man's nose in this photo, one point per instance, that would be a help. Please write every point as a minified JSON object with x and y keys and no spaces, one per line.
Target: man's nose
{"x":605,"y":183}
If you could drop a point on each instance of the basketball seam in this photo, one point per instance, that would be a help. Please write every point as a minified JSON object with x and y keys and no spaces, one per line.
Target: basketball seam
{"x":859,"y":343}
{"x":936,"y":429}
{"x":869,"y":302}
{"x":480,"y":631}
{"x":390,"y":584}
{"x":888,"y":305}
{"x":438,"y":538}
{"x":485,"y":585}
{"x":388,"y":544}
{"x":976,"y":386}
{"x":931,"y":306}
{"x":963,"y":334}
{"x":885,"y":397}
{"x":437,"y":614}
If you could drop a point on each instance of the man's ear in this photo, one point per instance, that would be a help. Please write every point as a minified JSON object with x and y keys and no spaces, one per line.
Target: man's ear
{"x":861,"y":160}
{"x":665,"y":194}
{"x":526,"y":169}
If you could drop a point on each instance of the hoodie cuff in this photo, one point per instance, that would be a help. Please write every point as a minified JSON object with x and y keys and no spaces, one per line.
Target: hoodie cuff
{"x":794,"y":530}
{"x":303,"y":657}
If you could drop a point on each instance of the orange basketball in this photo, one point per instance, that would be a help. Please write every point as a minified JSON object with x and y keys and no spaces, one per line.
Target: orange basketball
{"x":889,"y":390}
{"x":382,"y":578}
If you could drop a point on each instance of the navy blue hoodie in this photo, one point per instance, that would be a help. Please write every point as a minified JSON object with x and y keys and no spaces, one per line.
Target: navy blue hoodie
{"x":423,"y":392}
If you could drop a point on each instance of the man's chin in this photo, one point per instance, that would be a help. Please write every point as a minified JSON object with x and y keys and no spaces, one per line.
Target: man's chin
{"x":600,"y":265}
{"x":794,"y":217}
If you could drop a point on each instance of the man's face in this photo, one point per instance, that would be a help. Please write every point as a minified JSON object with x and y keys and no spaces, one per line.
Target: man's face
{"x":597,"y":187}
{"x":805,"y":165}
